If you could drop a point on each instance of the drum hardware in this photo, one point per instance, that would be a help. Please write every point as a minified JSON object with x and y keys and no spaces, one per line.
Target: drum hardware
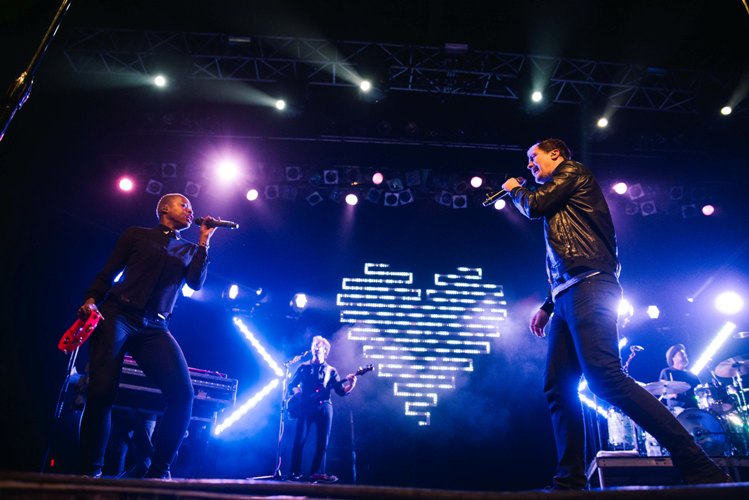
{"x":733,"y":367}
{"x":662,"y":388}
{"x":710,"y":397}
{"x":709,"y":431}
{"x":622,"y":431}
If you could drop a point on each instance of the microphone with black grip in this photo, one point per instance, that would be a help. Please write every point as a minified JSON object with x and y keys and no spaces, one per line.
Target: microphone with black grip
{"x":493,"y":198}
{"x":216,"y":223}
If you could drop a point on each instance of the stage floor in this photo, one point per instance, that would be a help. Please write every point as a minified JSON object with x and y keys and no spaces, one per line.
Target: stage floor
{"x":22,"y":485}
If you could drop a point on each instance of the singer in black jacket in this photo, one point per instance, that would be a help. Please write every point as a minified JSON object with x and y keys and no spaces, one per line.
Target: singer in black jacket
{"x":582,"y":311}
{"x":136,"y":311}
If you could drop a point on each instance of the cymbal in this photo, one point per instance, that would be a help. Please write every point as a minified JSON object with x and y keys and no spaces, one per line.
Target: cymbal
{"x":663,"y":387}
{"x":731,"y":367}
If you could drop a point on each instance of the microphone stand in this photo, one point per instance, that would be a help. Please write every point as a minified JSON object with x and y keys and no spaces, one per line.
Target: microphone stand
{"x":284,"y":387}
{"x":20,"y":90}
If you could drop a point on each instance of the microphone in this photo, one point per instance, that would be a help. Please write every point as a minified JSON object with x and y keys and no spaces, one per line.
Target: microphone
{"x":216,"y":223}
{"x":491,"y":199}
{"x":634,"y":348}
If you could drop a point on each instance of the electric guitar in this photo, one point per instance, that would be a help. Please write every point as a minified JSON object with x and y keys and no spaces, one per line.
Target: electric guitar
{"x":297,"y":403}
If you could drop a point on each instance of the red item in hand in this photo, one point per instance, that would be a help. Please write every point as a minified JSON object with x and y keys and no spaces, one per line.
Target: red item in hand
{"x":78,"y":332}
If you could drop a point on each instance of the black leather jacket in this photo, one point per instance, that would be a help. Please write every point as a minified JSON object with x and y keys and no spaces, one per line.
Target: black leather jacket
{"x":578,"y":228}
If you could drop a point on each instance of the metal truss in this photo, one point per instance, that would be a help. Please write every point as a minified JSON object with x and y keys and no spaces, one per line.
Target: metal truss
{"x":396,"y":67}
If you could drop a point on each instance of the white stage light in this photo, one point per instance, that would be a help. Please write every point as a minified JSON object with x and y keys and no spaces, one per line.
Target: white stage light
{"x":729,"y":303}
{"x":718,"y":341}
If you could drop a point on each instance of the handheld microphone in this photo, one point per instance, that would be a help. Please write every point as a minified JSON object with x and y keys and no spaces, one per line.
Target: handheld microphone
{"x":634,"y":348}
{"x":493,"y":198}
{"x":216,"y":223}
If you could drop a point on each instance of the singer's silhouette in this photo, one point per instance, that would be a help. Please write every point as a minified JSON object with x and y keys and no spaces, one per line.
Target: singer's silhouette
{"x":581,"y":311}
{"x":136,"y":311}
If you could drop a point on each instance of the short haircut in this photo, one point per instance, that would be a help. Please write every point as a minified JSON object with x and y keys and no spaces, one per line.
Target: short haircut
{"x":164,"y":201}
{"x":319,"y":338}
{"x":551,"y":144}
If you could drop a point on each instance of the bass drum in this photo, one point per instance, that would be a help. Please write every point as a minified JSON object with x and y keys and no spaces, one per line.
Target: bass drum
{"x":707,"y":430}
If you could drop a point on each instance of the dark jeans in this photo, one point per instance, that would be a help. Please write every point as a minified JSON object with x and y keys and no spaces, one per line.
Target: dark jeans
{"x":322,"y":418}
{"x":583,"y":340}
{"x":149,"y":342}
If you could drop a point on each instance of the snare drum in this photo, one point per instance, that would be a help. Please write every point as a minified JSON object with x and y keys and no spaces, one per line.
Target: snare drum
{"x":708,"y":431}
{"x":713,"y":398}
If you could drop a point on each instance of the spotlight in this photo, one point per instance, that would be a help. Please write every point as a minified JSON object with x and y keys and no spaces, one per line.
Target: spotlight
{"x":405,"y":197}
{"x":377,"y":178}
{"x":280,"y":104}
{"x":460,"y":201}
{"x":299,"y":302}
{"x":352,"y":199}
{"x":648,"y":208}
{"x":635,"y":191}
{"x":395,"y":184}
{"x":252,"y":194}
{"x":335,"y":195}
{"x":726,"y":110}
{"x":537,"y":96}
{"x":413,"y":178}
{"x":314,"y":198}
{"x":499,"y":205}
{"x":708,"y":210}
{"x":125,"y":184}
{"x":160,"y":81}
{"x":365,"y":85}
{"x":169,"y":170}
{"x":330,"y":176}
{"x":445,"y":198}
{"x":729,"y":303}
{"x":477,"y":181}
{"x":391,"y":199}
{"x":688,"y":211}
{"x":653,"y":312}
{"x":373,"y":195}
{"x":289,"y":192}
{"x":293,"y":173}
{"x":602,"y":122}
{"x":154,"y":187}
{"x":676,"y":193}
{"x":620,"y":187}
{"x":271,"y":192}
{"x":227,"y":170}
{"x":192,"y":189}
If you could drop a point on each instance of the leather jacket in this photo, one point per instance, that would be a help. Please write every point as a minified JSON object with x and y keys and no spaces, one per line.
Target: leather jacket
{"x":578,"y":229}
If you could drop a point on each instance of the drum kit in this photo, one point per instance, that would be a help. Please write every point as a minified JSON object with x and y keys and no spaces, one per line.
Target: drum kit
{"x":720,"y":423}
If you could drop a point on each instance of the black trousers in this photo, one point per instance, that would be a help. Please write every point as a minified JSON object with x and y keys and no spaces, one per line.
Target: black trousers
{"x":322,"y":418}
{"x":149,"y":342}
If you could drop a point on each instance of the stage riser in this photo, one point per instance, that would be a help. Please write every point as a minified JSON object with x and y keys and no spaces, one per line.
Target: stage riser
{"x":653,"y":471}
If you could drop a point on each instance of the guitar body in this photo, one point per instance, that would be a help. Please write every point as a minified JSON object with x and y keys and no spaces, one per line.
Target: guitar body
{"x":297,"y":404}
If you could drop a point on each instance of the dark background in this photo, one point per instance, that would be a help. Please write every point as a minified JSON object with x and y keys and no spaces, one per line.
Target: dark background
{"x":77,"y":132}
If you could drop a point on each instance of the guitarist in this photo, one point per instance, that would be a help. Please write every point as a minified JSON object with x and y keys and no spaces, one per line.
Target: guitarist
{"x":311,"y":385}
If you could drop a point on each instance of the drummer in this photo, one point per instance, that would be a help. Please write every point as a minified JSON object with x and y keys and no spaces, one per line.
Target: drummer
{"x":676,"y":357}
